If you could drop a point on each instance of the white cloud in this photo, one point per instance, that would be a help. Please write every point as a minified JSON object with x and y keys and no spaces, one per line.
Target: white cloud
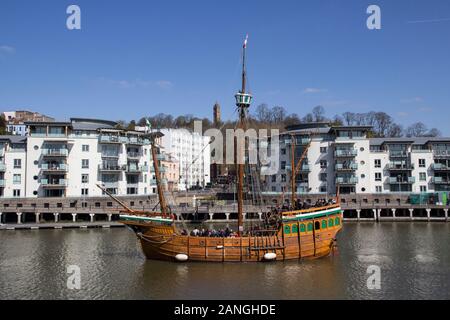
{"x":164,"y":84}
{"x":313,"y":90}
{"x":402,"y":114}
{"x":411,"y":100}
{"x":7,"y":49}
{"x":137,"y":83}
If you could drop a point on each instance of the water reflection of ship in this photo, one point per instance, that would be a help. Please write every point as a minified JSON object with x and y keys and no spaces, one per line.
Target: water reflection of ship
{"x":287,"y":233}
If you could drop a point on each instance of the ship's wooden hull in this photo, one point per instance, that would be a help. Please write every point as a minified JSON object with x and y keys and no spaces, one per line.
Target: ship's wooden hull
{"x":311,"y":237}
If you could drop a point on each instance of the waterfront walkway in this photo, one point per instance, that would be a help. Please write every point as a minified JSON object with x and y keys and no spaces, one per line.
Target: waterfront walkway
{"x":60,"y":225}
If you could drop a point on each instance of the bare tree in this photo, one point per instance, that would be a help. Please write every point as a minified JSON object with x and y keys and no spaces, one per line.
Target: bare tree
{"x":349,"y":118}
{"x":395,"y":131}
{"x":434,"y":133}
{"x":417,"y":129}
{"x":278,"y":114}
{"x":318,"y":113}
{"x":308,"y":118}
{"x":262,"y":113}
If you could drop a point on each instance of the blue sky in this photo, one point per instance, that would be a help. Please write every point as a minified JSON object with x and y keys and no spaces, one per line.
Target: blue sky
{"x":135,"y":58}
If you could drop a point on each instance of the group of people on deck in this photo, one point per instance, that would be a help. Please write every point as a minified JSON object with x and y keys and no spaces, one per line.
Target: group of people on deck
{"x":303,"y":205}
{"x":221,"y":233}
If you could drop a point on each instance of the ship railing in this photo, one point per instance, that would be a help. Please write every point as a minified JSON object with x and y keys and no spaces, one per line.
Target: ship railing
{"x":311,"y":210}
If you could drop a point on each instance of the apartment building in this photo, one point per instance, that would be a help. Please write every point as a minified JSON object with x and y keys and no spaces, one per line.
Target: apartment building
{"x":193,"y":153}
{"x":15,"y":120}
{"x":69,"y":159}
{"x":346,"y":158}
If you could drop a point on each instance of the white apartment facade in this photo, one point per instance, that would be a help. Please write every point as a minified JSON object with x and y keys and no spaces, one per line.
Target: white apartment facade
{"x":345,"y":157}
{"x":193,"y":153}
{"x":69,"y":159}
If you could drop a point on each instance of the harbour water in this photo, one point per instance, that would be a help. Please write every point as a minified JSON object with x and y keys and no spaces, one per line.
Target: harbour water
{"x":414,"y":261}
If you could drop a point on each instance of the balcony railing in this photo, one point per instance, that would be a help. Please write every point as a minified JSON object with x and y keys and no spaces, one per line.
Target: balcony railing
{"x":136,"y":169}
{"x":2,"y":183}
{"x":400,"y":166}
{"x":298,"y":141}
{"x":346,"y":167}
{"x":54,"y":167}
{"x":161,"y":169}
{"x":441,"y":153}
{"x":440,"y":180}
{"x":346,"y":180}
{"x":110,"y":167}
{"x":345,"y":153}
{"x":402,"y":180}
{"x":153,"y":181}
{"x":134,"y":154}
{"x":55,"y":152}
{"x":109,"y":139}
{"x":110,"y":155}
{"x":54,"y":183}
{"x":440,"y":167}
{"x":398,"y":154}
{"x":2,"y":167}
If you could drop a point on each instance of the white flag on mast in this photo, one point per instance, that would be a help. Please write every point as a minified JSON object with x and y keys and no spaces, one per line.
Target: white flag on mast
{"x":245,"y":41}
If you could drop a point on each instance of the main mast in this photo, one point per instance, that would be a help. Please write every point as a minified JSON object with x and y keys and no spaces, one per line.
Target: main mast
{"x":159,"y":185}
{"x":243,"y":101}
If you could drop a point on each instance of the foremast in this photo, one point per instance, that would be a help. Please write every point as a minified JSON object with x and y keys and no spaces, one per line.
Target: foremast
{"x":161,"y":198}
{"x":243,"y":101}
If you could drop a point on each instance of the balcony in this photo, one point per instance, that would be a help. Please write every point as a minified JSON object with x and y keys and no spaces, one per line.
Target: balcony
{"x":440,"y":167}
{"x":136,"y":169}
{"x":441,"y":153}
{"x":402,"y":180}
{"x":303,"y":168}
{"x":161,"y":169}
{"x":398,"y":154}
{"x":137,"y":141}
{"x":60,"y":167}
{"x":109,"y":139}
{"x":110,"y":154}
{"x":153,"y":181}
{"x":110,"y":167}
{"x":2,"y":167}
{"x":53,"y":183}
{"x":298,"y":141}
{"x":346,"y":180}
{"x":160,"y":156}
{"x":440,"y":180}
{"x":400,"y":166}
{"x":343,"y":153}
{"x":2,"y":183}
{"x":55,"y":152}
{"x":346,"y":167}
{"x":134,"y":155}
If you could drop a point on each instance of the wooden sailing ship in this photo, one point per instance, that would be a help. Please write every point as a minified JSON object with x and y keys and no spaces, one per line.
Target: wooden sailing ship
{"x":286,"y":235}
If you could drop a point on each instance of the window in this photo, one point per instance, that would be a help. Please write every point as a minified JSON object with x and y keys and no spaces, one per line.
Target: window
{"x":17,"y":163}
{"x":423,"y":188}
{"x":283,"y":165}
{"x":377,"y":176}
{"x":84,"y":191}
{"x":273,"y":189}
{"x":274,"y":178}
{"x":377,"y":163}
{"x":16,"y":179}
{"x":85,"y":164}
{"x":283,"y":151}
{"x":283,"y":178}
{"x":323,"y":164}
{"x":379,"y":189}
{"x":422,"y":163}
{"x":323,"y":149}
{"x":422,"y":176}
{"x":85,"y":148}
{"x":323,"y":189}
{"x":323,"y":177}
{"x":16,"y":193}
{"x":84,"y":178}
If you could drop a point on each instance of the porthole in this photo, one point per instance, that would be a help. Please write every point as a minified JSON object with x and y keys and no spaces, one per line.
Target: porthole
{"x":36,"y":162}
{"x":361,"y":149}
{"x":363,"y":189}
{"x":35,"y":193}
{"x":36,"y":147}
{"x":363,"y":162}
{"x":35,"y":177}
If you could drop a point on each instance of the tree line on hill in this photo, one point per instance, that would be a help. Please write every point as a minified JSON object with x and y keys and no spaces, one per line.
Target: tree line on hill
{"x":382,"y":124}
